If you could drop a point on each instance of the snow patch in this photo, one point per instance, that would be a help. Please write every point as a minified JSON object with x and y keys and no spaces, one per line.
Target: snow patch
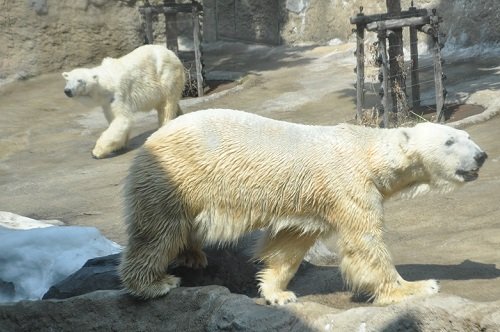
{"x":34,"y":259}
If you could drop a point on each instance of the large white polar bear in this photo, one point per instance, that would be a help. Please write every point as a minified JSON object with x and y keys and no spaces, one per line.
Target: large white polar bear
{"x":150,"y":77}
{"x":211,"y":176}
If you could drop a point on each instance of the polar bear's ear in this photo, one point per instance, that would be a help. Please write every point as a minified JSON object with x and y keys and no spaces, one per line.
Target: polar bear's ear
{"x":65,"y":75}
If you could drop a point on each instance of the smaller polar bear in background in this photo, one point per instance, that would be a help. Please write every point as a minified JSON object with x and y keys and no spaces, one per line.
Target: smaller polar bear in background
{"x":211,"y":176}
{"x":150,"y":77}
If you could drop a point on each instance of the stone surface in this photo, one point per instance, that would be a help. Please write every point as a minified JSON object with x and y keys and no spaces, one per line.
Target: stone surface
{"x":44,"y":36}
{"x":96,"y":274}
{"x":214,"y":308}
{"x":210,"y":308}
{"x":41,"y":36}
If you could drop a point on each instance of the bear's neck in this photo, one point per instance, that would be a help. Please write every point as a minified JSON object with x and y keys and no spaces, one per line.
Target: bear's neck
{"x":392,"y":170}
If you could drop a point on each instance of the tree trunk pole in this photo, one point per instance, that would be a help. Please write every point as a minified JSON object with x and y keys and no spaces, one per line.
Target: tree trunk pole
{"x":395,"y":52}
{"x":197,"y":50}
{"x":360,"y":70}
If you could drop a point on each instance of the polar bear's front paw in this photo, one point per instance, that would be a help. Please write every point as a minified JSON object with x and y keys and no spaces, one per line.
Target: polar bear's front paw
{"x":406,"y":289}
{"x":99,"y":153}
{"x":280,"y":297}
{"x":160,"y":287}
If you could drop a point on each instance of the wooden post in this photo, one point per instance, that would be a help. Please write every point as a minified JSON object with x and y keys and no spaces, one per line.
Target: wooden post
{"x":395,"y":51}
{"x":197,"y":49}
{"x":415,"y":81}
{"x":360,"y":68}
{"x":148,"y":15}
{"x":171,"y":28}
{"x":385,"y":74}
{"x":438,"y":69}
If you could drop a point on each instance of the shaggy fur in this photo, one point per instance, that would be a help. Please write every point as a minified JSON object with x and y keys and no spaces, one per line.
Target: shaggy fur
{"x":211,"y":176}
{"x":150,"y":77}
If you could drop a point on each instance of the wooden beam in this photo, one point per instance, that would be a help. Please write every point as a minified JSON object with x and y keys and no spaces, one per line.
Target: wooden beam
{"x":397,"y":23}
{"x":171,"y":7}
{"x":365,"y":19}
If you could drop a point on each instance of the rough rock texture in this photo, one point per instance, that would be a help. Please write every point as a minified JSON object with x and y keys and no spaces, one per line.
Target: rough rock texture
{"x":466,"y":23}
{"x":226,"y":267}
{"x":210,"y":308}
{"x":214,"y":308}
{"x":96,"y":274}
{"x":41,"y":36}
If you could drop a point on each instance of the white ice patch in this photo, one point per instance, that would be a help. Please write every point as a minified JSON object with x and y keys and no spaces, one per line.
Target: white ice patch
{"x":35,"y":259}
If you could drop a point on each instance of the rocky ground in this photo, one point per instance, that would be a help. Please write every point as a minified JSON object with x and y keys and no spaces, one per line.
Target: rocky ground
{"x":46,"y":172}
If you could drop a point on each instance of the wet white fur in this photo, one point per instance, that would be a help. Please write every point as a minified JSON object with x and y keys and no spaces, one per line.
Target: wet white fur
{"x":214,"y":175}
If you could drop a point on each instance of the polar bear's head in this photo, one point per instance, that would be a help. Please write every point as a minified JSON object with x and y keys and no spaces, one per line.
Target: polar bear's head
{"x":79,"y":82}
{"x":447,"y":155}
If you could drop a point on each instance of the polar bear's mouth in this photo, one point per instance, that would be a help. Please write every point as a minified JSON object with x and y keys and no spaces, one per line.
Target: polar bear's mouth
{"x":469,"y":175}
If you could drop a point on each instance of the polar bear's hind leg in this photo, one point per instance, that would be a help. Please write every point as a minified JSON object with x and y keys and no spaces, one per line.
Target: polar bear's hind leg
{"x":282,"y":254}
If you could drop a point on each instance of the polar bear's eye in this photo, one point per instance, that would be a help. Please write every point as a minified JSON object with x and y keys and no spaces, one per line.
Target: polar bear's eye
{"x":450,"y":142}
{"x":80,"y":81}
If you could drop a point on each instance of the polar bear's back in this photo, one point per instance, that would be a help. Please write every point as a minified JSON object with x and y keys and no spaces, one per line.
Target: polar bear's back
{"x":221,"y":128}
{"x":217,"y":155}
{"x":151,"y":62}
{"x":145,"y":77}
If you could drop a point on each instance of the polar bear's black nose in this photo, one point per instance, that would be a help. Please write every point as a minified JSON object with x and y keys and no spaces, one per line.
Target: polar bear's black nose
{"x":68,"y":92}
{"x":480,"y":158}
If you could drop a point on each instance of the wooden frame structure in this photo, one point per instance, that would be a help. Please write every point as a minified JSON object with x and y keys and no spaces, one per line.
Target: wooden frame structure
{"x":383,"y":24}
{"x":170,"y":9}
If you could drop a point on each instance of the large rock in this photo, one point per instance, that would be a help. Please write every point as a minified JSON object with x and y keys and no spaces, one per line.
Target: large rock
{"x":226,"y":267}
{"x":214,"y":308}
{"x":210,"y":308}
{"x":322,"y":303}
{"x":96,"y":274}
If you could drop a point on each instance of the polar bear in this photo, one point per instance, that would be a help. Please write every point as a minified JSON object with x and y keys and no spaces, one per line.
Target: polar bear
{"x":150,"y":77}
{"x":211,"y":176}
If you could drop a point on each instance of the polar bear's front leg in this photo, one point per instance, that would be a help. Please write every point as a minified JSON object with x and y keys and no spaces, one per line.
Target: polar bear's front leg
{"x":367,"y":266}
{"x":113,"y":138}
{"x":282,"y":254}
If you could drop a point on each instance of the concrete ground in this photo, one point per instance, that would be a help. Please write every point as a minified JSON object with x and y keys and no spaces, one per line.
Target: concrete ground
{"x":46,"y":169}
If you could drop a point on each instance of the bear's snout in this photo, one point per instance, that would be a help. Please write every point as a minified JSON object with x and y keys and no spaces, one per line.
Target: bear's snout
{"x":68,"y":92}
{"x":480,"y":158}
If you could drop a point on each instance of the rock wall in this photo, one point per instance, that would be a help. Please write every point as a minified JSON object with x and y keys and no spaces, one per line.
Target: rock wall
{"x":40,"y":36}
{"x":466,"y":23}
{"x":317,"y":21}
